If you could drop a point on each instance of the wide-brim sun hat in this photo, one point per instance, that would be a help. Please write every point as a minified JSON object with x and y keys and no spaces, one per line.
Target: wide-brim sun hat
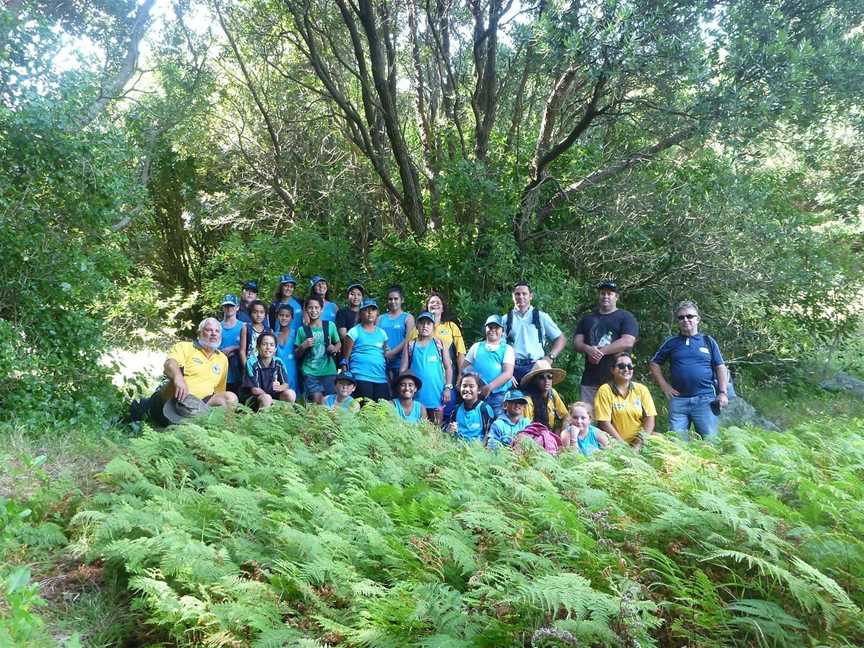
{"x":177,"y":411}
{"x":544,"y":366}
{"x":407,"y":374}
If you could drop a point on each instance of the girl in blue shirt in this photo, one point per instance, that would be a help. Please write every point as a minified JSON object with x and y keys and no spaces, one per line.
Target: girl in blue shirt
{"x":427,"y":358}
{"x":406,"y":407}
{"x":472,"y":418}
{"x":285,"y":343}
{"x":397,"y":324}
{"x":580,"y":434}
{"x":320,"y":289}
{"x":365,"y":348}
{"x":283,"y":296}
{"x":230,"y":344}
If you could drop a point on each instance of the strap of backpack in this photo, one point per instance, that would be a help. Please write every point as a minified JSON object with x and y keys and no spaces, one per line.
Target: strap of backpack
{"x":541,"y":333}
{"x":508,"y":326}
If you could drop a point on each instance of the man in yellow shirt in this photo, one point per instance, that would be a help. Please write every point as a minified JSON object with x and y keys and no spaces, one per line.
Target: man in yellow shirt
{"x":198,"y":368}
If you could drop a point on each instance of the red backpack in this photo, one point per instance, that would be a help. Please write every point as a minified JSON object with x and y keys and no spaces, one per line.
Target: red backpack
{"x":542,"y":436}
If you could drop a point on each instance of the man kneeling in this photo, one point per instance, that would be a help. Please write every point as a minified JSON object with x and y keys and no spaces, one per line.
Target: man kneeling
{"x":195,"y":368}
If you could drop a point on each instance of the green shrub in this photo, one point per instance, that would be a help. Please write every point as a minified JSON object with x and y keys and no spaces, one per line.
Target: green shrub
{"x":295,"y":527}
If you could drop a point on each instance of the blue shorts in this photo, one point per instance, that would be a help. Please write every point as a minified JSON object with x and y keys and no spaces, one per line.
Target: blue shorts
{"x":318,"y":385}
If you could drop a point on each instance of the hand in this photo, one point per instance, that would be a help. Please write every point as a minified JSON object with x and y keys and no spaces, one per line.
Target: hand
{"x":446,"y":395}
{"x":485,"y":390}
{"x":308,"y":343}
{"x":278,"y":387}
{"x":594,"y":354}
{"x":671,"y":391}
{"x":331,"y":349}
{"x":452,"y":428}
{"x":389,"y":355}
{"x":722,"y":400}
{"x":181,"y":390}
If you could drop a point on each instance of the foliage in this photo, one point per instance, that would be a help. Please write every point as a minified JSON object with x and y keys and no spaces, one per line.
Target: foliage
{"x":293,"y":526}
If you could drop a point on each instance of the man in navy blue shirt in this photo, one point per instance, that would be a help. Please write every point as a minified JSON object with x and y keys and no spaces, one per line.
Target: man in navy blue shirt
{"x":694,"y":364}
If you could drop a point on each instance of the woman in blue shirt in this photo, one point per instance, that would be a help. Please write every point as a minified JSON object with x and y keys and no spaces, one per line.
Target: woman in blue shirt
{"x":365,"y":348}
{"x":494,"y":360}
{"x":397,"y":324}
{"x":472,"y":418}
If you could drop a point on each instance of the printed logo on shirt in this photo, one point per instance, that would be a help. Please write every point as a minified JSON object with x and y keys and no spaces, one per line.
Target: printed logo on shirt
{"x":704,"y":350}
{"x":216,"y":369}
{"x":198,"y":361}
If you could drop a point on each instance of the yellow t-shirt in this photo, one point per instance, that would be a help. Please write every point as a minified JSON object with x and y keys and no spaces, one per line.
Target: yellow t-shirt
{"x":555,"y":407}
{"x":204,"y":376}
{"x":626,"y":413}
{"x":448,"y":333}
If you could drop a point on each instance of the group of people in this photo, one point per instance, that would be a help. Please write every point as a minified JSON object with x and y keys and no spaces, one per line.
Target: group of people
{"x":499,"y":390}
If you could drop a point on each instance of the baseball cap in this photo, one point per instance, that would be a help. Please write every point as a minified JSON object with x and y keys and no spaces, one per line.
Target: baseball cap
{"x":251,"y":285}
{"x":368,"y":303}
{"x":230,"y":300}
{"x":493,"y":319}
{"x":425,"y":315}
{"x":608,"y":284}
{"x":286,"y":279}
{"x":515,"y":396}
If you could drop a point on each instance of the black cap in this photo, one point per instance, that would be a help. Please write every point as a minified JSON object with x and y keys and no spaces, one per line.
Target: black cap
{"x":608,"y":284}
{"x":251,"y":285}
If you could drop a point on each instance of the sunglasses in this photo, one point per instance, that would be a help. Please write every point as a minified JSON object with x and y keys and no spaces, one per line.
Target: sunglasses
{"x":623,"y":366}
{"x":688,"y":316}
{"x":546,"y":376}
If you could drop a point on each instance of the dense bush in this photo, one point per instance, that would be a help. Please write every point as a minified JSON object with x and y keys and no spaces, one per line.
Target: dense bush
{"x":295,"y":528}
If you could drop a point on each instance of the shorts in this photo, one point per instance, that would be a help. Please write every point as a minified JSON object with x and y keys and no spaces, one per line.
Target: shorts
{"x":318,"y":385}
{"x":372,"y":391}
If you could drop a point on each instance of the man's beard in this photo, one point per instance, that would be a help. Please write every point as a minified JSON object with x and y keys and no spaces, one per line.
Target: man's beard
{"x":210,"y":346}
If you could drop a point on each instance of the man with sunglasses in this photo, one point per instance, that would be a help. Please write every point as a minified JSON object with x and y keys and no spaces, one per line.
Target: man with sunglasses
{"x":695,"y":363}
{"x":600,"y":335}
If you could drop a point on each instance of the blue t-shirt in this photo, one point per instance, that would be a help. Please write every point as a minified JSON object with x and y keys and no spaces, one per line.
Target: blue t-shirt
{"x":329,"y":312}
{"x":367,"y":361}
{"x":394,"y":327}
{"x":490,"y":364}
{"x":503,"y":431}
{"x":231,"y":337}
{"x":414,"y":416}
{"x":428,"y":365}
{"x":589,"y":444}
{"x":471,"y":424}
{"x":691,"y":363}
{"x":285,"y":352}
{"x":330,"y":402}
{"x":296,"y":309}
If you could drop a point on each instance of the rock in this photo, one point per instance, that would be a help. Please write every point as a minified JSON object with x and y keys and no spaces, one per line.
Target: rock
{"x":844,"y":382}
{"x":739,"y":412}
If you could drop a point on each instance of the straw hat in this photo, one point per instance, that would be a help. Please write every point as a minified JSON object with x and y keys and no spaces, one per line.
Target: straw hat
{"x":544,"y":366}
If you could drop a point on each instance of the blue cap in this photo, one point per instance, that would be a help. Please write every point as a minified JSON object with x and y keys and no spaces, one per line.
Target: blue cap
{"x":355,"y":284}
{"x":345,"y":376}
{"x":368,"y":303}
{"x":425,"y":315}
{"x":314,"y":280}
{"x":515,"y":396}
{"x":286,"y":279}
{"x":230,"y":300}
{"x":251,"y":285}
{"x":493,"y":319}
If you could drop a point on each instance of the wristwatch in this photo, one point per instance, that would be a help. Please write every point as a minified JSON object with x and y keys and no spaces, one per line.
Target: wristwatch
{"x":448,"y":386}
{"x":552,"y":356}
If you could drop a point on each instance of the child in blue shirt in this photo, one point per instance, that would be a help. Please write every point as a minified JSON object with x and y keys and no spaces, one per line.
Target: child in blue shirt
{"x":230,"y":344}
{"x":284,"y":296}
{"x":505,"y":428}
{"x":267,"y":380}
{"x":249,"y":334}
{"x":406,"y":407}
{"x":365,"y":348}
{"x":427,"y":359}
{"x":471,"y":420}
{"x":285,"y":343}
{"x":342,"y":399}
{"x":580,"y":434}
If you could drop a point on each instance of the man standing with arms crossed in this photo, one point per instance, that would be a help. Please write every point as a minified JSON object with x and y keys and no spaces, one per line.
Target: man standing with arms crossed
{"x":600,"y":335}
{"x":695,"y":364}
{"x":527,"y":330}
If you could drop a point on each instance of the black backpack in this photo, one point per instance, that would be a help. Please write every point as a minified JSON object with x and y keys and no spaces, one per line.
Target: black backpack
{"x":535,"y":321}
